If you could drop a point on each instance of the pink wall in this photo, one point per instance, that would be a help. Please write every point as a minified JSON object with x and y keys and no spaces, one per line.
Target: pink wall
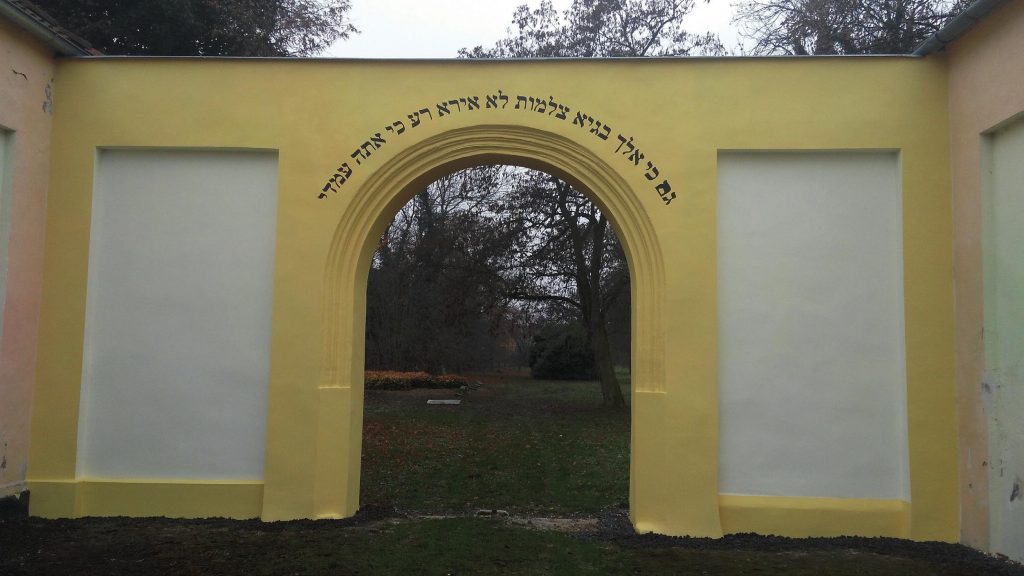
{"x":26,"y":75}
{"x":986,"y":88}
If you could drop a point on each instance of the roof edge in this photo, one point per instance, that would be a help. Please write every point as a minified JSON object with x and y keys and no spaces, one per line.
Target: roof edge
{"x":957,"y":27}
{"x":38,"y":23}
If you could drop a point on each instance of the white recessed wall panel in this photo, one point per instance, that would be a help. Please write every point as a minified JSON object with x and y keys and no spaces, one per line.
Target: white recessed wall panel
{"x":811,"y":353}
{"x":177,"y":342}
{"x":1003,"y":222}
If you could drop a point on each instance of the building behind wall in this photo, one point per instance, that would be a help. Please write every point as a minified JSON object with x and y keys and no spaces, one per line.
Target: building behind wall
{"x":986,"y":100}
{"x":29,"y":43}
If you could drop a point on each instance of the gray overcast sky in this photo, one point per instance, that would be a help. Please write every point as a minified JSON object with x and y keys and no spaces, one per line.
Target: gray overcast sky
{"x":438,"y":28}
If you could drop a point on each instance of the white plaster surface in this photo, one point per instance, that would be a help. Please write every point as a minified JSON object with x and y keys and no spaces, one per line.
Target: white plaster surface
{"x":1004,"y":338}
{"x":811,"y":347}
{"x":177,"y":345}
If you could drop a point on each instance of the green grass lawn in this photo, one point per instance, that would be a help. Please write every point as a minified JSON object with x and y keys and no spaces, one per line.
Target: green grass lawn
{"x":515,"y":444}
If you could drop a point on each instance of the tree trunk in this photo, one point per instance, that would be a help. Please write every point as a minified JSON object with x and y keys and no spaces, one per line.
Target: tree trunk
{"x":610,"y":390}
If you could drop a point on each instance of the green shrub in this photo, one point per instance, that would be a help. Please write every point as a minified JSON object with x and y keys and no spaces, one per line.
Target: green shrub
{"x":562,"y":352}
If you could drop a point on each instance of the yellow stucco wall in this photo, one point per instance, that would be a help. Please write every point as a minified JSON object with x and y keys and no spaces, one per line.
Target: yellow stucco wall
{"x":26,"y":105}
{"x":986,"y":91}
{"x":679,"y":113}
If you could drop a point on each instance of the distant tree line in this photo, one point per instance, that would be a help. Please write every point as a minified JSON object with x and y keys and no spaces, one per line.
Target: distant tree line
{"x":481,"y":265}
{"x":435,"y":295}
{"x":588,"y":28}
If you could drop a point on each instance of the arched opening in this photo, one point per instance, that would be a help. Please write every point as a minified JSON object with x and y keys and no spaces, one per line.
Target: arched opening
{"x":497,"y":351}
{"x":340,"y":420}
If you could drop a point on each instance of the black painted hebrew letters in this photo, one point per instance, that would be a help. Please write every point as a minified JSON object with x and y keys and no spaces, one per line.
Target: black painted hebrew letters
{"x":652,"y":168}
{"x":665,"y":191}
{"x":591,"y":126}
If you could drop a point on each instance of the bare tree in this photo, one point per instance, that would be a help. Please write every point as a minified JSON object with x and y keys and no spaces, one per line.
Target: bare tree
{"x":488,"y":253}
{"x":436,"y":297}
{"x":803,"y":27}
{"x":578,"y":263}
{"x":600,"y":28}
{"x":574,"y":263}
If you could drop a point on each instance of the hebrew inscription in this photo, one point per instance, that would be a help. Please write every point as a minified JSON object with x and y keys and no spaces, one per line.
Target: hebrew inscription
{"x":590,"y":126}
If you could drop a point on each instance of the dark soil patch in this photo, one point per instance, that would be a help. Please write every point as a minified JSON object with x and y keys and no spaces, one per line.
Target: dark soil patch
{"x":954,"y":558}
{"x":379,"y":541}
{"x":13,"y":507}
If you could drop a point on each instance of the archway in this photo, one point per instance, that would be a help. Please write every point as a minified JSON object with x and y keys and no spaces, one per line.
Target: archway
{"x":503,"y":293}
{"x":336,"y":482}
